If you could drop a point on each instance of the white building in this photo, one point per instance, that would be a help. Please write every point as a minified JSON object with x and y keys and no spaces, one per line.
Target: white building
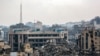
{"x":1,"y":35}
{"x":97,"y":26}
{"x":38,"y":26}
{"x":36,"y":39}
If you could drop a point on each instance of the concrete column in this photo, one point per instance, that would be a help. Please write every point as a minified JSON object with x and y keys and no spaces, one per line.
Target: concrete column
{"x":18,"y":41}
{"x":12,"y":48}
{"x":27,"y":38}
{"x":22,"y":39}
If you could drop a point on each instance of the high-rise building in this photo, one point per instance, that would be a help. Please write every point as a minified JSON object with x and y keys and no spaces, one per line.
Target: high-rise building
{"x":89,"y":40}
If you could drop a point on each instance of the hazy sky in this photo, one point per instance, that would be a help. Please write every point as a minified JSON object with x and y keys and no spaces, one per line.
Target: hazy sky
{"x":48,"y":11}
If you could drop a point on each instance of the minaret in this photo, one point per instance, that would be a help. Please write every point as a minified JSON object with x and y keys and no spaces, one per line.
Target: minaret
{"x":21,"y":11}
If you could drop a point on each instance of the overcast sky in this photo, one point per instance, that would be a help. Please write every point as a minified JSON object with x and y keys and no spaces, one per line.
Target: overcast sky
{"x":48,"y":11}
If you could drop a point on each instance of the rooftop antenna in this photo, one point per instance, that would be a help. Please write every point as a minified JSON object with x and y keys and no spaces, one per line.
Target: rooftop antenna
{"x":21,"y":11}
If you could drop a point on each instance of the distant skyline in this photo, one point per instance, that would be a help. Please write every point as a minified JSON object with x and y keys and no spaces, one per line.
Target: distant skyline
{"x":48,"y":11}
